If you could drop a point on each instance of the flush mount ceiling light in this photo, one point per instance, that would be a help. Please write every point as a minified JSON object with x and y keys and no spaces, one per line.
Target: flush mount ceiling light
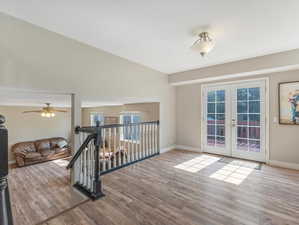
{"x":204,"y":44}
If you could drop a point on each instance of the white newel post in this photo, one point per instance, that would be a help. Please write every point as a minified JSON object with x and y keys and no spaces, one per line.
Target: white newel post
{"x":76,"y":121}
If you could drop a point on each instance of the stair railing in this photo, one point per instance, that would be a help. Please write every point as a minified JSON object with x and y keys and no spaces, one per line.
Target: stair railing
{"x":110,"y":147}
{"x":85,"y":165}
{"x":125,"y":144}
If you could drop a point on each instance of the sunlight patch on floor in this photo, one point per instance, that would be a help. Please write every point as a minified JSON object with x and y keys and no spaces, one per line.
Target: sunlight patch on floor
{"x":61,"y":162}
{"x":235,"y":172}
{"x":198,"y":163}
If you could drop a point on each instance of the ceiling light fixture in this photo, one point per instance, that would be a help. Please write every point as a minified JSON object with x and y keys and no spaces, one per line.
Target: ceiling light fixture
{"x":204,"y":44}
{"x":47,"y":111}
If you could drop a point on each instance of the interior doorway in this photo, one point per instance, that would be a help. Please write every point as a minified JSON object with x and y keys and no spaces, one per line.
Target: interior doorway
{"x":234,"y":119}
{"x":40,"y":143}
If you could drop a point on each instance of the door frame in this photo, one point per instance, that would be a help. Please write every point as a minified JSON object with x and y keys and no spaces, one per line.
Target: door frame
{"x":267,"y":111}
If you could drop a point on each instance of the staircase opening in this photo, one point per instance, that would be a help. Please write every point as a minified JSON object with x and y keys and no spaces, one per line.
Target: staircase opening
{"x":107,"y":147}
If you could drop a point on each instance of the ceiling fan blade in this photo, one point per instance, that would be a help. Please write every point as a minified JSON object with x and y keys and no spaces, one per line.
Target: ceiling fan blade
{"x":59,"y":110}
{"x":33,"y":111}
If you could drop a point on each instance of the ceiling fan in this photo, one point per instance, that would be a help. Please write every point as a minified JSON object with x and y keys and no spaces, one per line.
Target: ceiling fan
{"x":47,"y":111}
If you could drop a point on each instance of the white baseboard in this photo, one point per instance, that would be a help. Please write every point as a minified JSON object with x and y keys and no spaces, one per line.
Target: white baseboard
{"x":180,"y":147}
{"x":281,"y":164}
{"x":167,"y":149}
{"x":188,"y":148}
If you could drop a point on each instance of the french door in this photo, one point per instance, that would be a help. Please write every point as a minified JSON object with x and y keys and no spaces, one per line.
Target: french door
{"x":234,"y":120}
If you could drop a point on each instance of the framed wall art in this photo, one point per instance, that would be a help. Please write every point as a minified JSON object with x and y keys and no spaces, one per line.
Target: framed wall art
{"x":288,"y":94}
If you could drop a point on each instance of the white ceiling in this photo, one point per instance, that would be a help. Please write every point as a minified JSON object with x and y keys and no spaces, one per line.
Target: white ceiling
{"x":159,"y":33}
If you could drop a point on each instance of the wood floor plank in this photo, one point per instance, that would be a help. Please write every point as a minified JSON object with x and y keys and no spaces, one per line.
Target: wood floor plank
{"x":159,"y":192}
{"x":154,"y":192}
{"x":41,"y":191}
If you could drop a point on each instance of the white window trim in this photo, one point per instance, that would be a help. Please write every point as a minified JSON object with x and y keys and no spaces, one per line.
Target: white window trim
{"x":121,"y":122}
{"x":267,"y":109}
{"x":93,"y":113}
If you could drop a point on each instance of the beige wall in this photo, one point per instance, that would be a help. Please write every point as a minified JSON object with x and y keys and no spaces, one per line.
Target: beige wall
{"x":27,"y":127}
{"x":148,"y":111}
{"x":34,"y":58}
{"x":246,"y":67}
{"x":283,"y":138}
{"x":106,"y":110}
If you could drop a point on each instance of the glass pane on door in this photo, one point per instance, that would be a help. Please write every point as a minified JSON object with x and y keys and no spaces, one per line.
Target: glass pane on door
{"x":248,"y":119}
{"x":216,"y":118}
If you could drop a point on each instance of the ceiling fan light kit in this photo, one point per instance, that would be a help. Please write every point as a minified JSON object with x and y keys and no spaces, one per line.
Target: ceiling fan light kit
{"x":204,"y":44}
{"x":47,"y":114}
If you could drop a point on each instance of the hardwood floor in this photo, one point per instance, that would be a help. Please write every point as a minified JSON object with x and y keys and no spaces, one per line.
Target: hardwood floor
{"x":41,"y":191}
{"x":184,"y":188}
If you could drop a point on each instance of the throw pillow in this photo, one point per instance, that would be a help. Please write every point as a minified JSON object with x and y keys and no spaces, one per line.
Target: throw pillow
{"x":62,"y":144}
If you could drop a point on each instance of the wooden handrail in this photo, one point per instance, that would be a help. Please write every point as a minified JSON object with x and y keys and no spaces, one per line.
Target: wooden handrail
{"x":96,"y":129}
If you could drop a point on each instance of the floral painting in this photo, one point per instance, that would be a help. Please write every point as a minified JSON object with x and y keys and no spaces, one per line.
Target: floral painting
{"x":289,"y":103}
